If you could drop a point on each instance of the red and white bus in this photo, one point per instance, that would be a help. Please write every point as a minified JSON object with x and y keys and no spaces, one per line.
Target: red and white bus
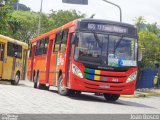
{"x":86,"y":55}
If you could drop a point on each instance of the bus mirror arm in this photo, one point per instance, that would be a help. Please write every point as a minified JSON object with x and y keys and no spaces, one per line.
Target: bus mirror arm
{"x":140,"y":56}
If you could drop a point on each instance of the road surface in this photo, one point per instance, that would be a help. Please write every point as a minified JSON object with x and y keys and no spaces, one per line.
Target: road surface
{"x":24,"y":99}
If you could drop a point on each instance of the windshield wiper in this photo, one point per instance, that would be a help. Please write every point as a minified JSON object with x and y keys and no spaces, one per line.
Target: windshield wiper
{"x":100,"y":46}
{"x":98,"y":41}
{"x":117,"y":44}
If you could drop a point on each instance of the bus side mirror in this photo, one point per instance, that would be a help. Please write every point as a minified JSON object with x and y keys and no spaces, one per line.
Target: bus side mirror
{"x":140,"y":56}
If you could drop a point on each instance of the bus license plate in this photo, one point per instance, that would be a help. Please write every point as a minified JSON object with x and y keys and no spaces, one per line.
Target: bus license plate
{"x":104,"y":86}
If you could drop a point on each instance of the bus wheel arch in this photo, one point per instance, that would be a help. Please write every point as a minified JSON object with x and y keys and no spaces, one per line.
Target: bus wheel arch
{"x":36,"y":81}
{"x":16,"y":78}
{"x":60,"y":73}
{"x":61,"y":89}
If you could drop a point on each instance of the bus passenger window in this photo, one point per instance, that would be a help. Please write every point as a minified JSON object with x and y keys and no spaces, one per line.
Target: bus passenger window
{"x":10,"y":49}
{"x":57,"y":42}
{"x":41,"y":46}
{"x":1,"y":52}
{"x":64,"y":40}
{"x":14,"y":50}
{"x":17,"y":51}
{"x":46,"y":41}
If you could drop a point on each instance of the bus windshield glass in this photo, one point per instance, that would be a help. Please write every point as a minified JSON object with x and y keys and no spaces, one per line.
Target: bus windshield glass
{"x":106,"y":50}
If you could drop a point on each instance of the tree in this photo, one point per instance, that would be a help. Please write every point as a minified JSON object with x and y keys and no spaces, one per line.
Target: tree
{"x":23,"y":25}
{"x":4,"y":14}
{"x":59,"y":18}
{"x":153,"y":28}
{"x":149,"y":43}
{"x":20,"y":7}
{"x":140,"y":23}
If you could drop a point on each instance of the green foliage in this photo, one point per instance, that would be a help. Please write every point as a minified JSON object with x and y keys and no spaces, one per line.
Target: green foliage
{"x":149,"y":43}
{"x":153,"y":28}
{"x":24,"y":24}
{"x":59,"y":18}
{"x":4,"y":13}
{"x":140,"y":23}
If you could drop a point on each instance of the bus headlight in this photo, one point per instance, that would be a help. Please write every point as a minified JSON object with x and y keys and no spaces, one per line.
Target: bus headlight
{"x":132,"y":77}
{"x":76,"y":71}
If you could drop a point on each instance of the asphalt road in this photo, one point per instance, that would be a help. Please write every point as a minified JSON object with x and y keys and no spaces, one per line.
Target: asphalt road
{"x":24,"y":99}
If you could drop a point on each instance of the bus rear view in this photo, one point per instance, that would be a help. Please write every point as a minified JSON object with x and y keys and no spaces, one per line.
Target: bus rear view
{"x":105,"y":58}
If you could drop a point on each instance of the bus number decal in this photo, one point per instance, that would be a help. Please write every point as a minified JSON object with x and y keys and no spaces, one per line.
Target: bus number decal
{"x":61,"y":60}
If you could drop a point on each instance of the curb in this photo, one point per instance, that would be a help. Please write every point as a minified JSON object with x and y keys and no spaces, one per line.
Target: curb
{"x":138,"y":95}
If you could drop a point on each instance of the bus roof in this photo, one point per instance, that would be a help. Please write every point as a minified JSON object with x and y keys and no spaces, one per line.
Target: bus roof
{"x":13,"y":40}
{"x":104,"y":21}
{"x":76,"y":21}
{"x":69,"y":24}
{"x":112,"y":27}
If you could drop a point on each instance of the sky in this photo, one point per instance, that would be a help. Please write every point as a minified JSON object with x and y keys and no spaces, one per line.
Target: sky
{"x":149,"y":9}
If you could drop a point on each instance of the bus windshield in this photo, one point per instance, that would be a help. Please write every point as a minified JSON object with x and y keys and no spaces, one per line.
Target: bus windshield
{"x":106,"y":50}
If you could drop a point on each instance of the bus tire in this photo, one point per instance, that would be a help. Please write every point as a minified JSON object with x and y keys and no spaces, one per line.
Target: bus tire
{"x":111,"y":97}
{"x":35,"y":80}
{"x":62,"y":90}
{"x":16,"y":79}
{"x":77,"y":92}
{"x":37,"y":84}
{"x":46,"y":87}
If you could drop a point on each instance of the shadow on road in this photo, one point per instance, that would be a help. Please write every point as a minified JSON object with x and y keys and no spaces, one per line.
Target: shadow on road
{"x":93,"y":98}
{"x":5,"y":83}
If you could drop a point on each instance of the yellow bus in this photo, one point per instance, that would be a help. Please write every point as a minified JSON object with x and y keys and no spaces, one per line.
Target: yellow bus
{"x":13,"y":56}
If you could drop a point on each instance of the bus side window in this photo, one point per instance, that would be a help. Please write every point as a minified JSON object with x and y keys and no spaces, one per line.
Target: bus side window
{"x":10,"y":49}
{"x":46,"y":41}
{"x":41,"y":46}
{"x":1,"y":51}
{"x":64,"y":40}
{"x":57,"y":42}
{"x":37,"y":48}
{"x":17,"y":51}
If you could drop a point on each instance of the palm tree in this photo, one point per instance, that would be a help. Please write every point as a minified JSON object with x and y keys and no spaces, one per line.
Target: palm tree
{"x":140,"y":22}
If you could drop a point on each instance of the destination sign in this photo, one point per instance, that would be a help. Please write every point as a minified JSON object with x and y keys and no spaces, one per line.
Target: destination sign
{"x":108,"y":27}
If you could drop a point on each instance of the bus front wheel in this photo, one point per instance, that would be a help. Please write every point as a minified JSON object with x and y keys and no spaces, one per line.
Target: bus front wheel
{"x":61,"y":89}
{"x":111,"y":97}
{"x":16,"y":79}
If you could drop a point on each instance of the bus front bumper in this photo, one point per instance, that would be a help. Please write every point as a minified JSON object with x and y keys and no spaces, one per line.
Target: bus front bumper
{"x":85,"y":85}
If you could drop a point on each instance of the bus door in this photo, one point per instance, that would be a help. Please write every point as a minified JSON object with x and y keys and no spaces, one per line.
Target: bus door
{"x":54,"y":61}
{"x":8,"y":62}
{"x":24,"y":64}
{"x":32,"y":61}
{"x":68,"y":61}
{"x":58,"y":56}
{"x":1,"y":58}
